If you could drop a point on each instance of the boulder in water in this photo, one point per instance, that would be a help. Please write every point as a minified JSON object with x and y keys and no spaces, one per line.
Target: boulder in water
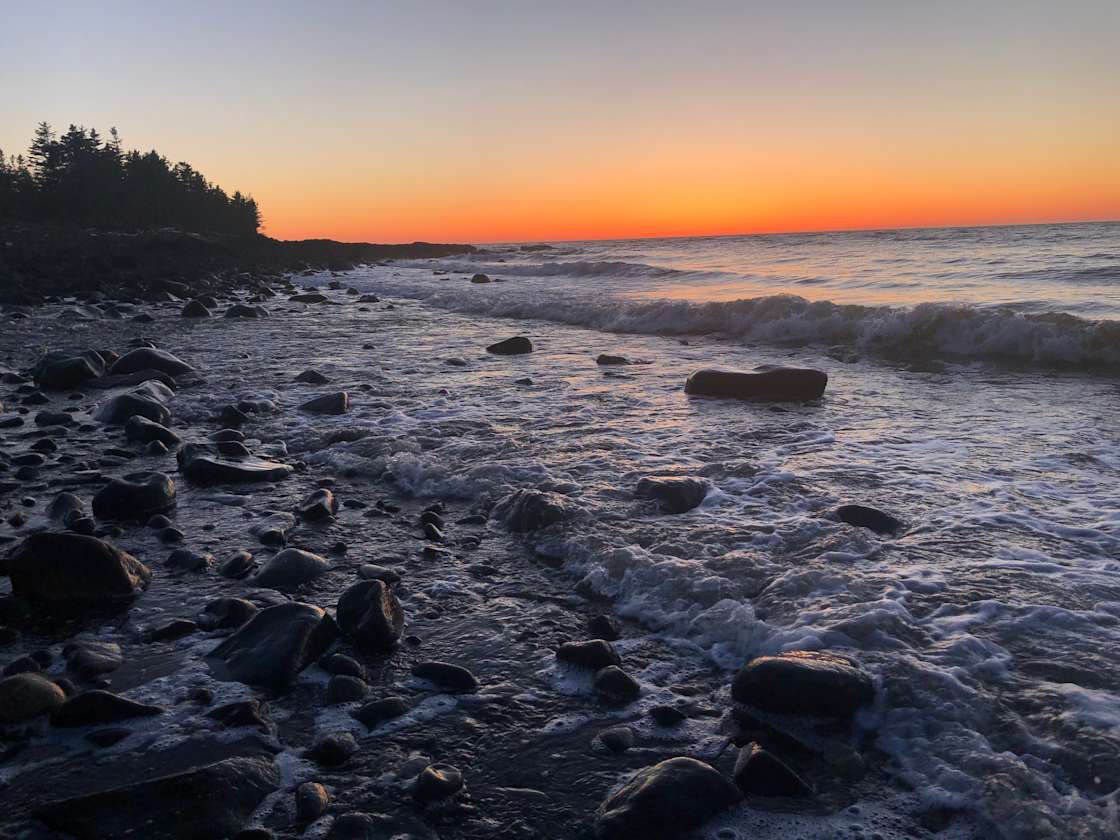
{"x":516,"y":346}
{"x":63,"y":566}
{"x":242,"y":310}
{"x":593,"y":654}
{"x":761,"y":773}
{"x":275,"y":645}
{"x":201,"y":463}
{"x":480,"y":278}
{"x":447,"y":676}
{"x":674,"y":494}
{"x":803,"y":682}
{"x":336,"y":403}
{"x":777,"y":384}
{"x":370,"y":614}
{"x":28,"y":695}
{"x":97,"y":707}
{"x":196,"y":309}
{"x":531,"y":510}
{"x":665,"y":801}
{"x":62,"y":370}
{"x":137,"y":496}
{"x":308,"y":297}
{"x":116,"y":410}
{"x":290,"y":569}
{"x":321,"y":504}
{"x":862,"y":516}
{"x":313,"y":377}
{"x":149,"y":358}
{"x":143,"y":430}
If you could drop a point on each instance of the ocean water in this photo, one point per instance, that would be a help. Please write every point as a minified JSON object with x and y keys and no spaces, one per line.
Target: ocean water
{"x":973,"y":393}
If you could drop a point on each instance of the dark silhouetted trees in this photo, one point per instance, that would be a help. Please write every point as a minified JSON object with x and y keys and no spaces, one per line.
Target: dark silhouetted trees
{"x":79,"y":178}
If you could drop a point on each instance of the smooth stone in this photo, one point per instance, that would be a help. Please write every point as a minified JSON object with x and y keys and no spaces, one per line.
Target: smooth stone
{"x":53,"y":418}
{"x":376,"y":712}
{"x":116,"y":411}
{"x":143,"y":430}
{"x":604,"y":627}
{"x":515,"y":346}
{"x":446,"y":676}
{"x":88,"y":660}
{"x":107,"y":737}
{"x":617,"y":739}
{"x":98,"y":707}
{"x":607,"y":359}
{"x":195,"y":309}
{"x":371,"y":615}
{"x":275,"y":645}
{"x":805,"y":683}
{"x":313,"y":377}
{"x":667,"y":715}
{"x":226,"y":613}
{"x":57,"y":566}
{"x":309,"y":297}
{"x":290,"y":569}
{"x":676,"y":495}
{"x":530,"y":510}
{"x":593,"y":654}
{"x":189,"y":561}
{"x":202,"y":464}
{"x":343,"y":688}
{"x":312,"y":800}
{"x":339,"y":663}
{"x":371,"y":571}
{"x":861,"y":516}
{"x":480,"y":278}
{"x":333,"y":748}
{"x":147,"y":358}
{"x":437,"y":781}
{"x":273,"y":529}
{"x":336,"y":403}
{"x":65,"y":507}
{"x":175,"y":629}
{"x":22,"y":665}
{"x":321,"y":504}
{"x":242,"y":310}
{"x":136,"y":496}
{"x":616,"y":685}
{"x":665,"y":801}
{"x":240,"y":713}
{"x":28,"y":695}
{"x":775,"y":384}
{"x":760,"y":773}
{"x":211,"y":801}
{"x":62,"y":370}
{"x":237,"y":565}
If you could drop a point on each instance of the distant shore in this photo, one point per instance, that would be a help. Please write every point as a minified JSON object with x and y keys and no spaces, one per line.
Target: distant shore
{"x":39,"y":261}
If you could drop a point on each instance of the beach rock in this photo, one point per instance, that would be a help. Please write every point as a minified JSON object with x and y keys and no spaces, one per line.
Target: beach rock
{"x":515,"y":346}
{"x":312,"y":800}
{"x":291,"y":568}
{"x":28,"y":695}
{"x":116,"y":411}
{"x":676,"y":495}
{"x":88,"y":660}
{"x":202,"y":803}
{"x":202,"y":464}
{"x":65,"y":507}
{"x":480,"y":278}
{"x":803,"y":682}
{"x":313,"y":377}
{"x":308,"y":297}
{"x":760,"y":773}
{"x":63,"y":369}
{"x":226,"y":613}
{"x":177,"y":628}
{"x":136,"y":496}
{"x":437,"y":781}
{"x":189,"y":561}
{"x":446,"y":676}
{"x":242,"y":310}
{"x":23,"y":665}
{"x":223,"y":435}
{"x":332,"y":749}
{"x":340,"y":663}
{"x":343,"y":688}
{"x":107,"y":737}
{"x":321,"y":504}
{"x":53,"y":418}
{"x":370,"y":571}
{"x":195,"y":309}
{"x":336,"y":403}
{"x":604,"y":627}
{"x":237,"y":565}
{"x":617,"y":739}
{"x":665,"y":801}
{"x":371,"y":615}
{"x":143,"y":430}
{"x":664,"y":715}
{"x":776,"y":384}
{"x":593,"y":654}
{"x":607,"y":359}
{"x":616,"y":685}
{"x":148,"y":358}
{"x":240,"y":713}
{"x":94,"y":708}
{"x":376,"y":712}
{"x":530,"y":510}
{"x":862,"y":516}
{"x":59,"y":566}
{"x":369,"y":299}
{"x":276,"y":644}
{"x":273,"y":529}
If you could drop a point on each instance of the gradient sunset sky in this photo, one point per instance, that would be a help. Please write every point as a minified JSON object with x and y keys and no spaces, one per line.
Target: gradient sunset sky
{"x":479,"y":121}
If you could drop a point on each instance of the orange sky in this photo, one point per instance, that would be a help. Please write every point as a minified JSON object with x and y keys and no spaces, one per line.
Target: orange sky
{"x":519,"y":121}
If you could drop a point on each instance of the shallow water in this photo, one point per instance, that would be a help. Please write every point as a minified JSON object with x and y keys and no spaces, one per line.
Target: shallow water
{"x":991,"y":624}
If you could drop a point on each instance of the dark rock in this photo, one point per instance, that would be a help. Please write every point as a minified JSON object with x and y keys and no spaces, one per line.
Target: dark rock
{"x":775,"y":384}
{"x":309,"y":297}
{"x":115,"y":411}
{"x":53,"y":418}
{"x":28,"y":695}
{"x":189,"y":561}
{"x":275,"y":645}
{"x":175,"y":629}
{"x":376,"y":712}
{"x":676,"y":495}
{"x":226,"y":613}
{"x":62,"y":370}
{"x":145,"y":431}
{"x":531,"y":510}
{"x":593,"y":654}
{"x":616,"y":685}
{"x":336,"y":403}
{"x":98,"y":707}
{"x":319,"y":505}
{"x":480,"y":278}
{"x":240,"y":713}
{"x":137,"y":496}
{"x":338,"y":663}
{"x":862,"y":516}
{"x":88,"y":660}
{"x":760,"y":773}
{"x":241,"y":310}
{"x":23,"y":665}
{"x":147,"y":358}
{"x":446,"y":676}
{"x":313,"y":377}
{"x":237,"y":565}
{"x":273,"y":529}
{"x":202,"y":464}
{"x":665,"y":801}
{"x":107,"y":737}
{"x":370,"y":571}
{"x":311,"y":802}
{"x":174,"y":535}
{"x":431,"y":532}
{"x":68,"y":566}
{"x":345,"y":689}
{"x":667,"y":715}
{"x":228,"y":435}
{"x":202,"y":803}
{"x":332,"y":749}
{"x":290,"y":569}
{"x":515,"y":346}
{"x":195,"y":309}
{"x":606,"y":359}
{"x":617,"y":739}
{"x":803,"y":682}
{"x":437,"y":781}
{"x":604,"y":627}
{"x":65,"y":507}
{"x":370,"y":614}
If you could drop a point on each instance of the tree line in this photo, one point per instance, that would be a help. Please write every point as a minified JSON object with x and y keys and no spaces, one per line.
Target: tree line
{"x":80,"y":178}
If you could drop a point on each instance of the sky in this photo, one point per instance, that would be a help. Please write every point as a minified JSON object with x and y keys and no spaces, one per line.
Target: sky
{"x":496,"y":122}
